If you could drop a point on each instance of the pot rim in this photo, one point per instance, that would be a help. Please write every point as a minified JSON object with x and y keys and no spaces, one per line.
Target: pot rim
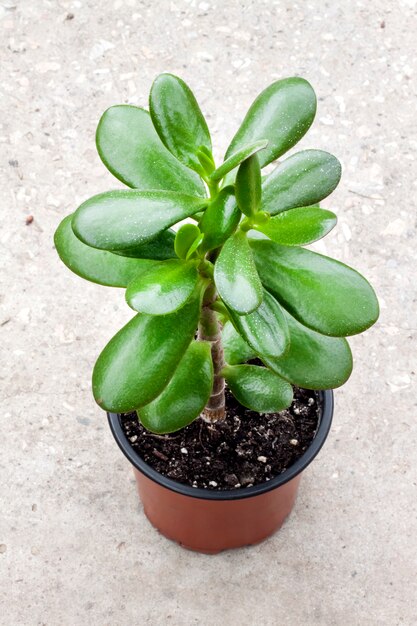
{"x":327,"y":404}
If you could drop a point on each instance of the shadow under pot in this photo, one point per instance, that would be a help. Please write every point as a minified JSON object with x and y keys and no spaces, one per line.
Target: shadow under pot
{"x":210,"y":521}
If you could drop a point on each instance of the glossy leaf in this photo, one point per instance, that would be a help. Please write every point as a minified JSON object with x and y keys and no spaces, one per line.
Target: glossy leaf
{"x":258,"y":388}
{"x":236,"y":159}
{"x":235,"y":275}
{"x":248,"y":186}
{"x":124,"y":219}
{"x":313,"y":361}
{"x":139,"y":361}
{"x":186,"y":394}
{"x":236,"y":350}
{"x":265,"y":330}
{"x":186,"y":236}
{"x":192,"y":250}
{"x":164,"y":289}
{"x":178,"y":119}
{"x":220,"y":219}
{"x":299,"y":227}
{"x":256,"y":235}
{"x":282,"y":114}
{"x":321,"y":293}
{"x":131,"y":149}
{"x":206,"y":161}
{"x":97,"y":266}
{"x":301,"y":180}
{"x":160,"y":248}
{"x":206,"y":151}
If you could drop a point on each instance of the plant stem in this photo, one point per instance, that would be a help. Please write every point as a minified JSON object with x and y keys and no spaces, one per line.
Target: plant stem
{"x":213,"y":189}
{"x":209,"y":330}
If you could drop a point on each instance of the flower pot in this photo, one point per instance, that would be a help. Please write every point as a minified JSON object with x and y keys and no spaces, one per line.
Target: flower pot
{"x":210,"y":521}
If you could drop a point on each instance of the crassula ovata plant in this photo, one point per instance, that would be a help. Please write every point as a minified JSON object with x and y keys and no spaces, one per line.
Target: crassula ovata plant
{"x":235,"y":287}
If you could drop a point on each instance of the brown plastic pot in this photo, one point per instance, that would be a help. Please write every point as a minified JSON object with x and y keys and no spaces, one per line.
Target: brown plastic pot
{"x":212,"y":521}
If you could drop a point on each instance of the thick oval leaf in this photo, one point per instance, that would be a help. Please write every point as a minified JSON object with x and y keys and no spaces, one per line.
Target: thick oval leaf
{"x":98,"y":266}
{"x":266,"y":329}
{"x":248,"y":186}
{"x":160,"y":248}
{"x":236,"y":159}
{"x":321,"y":293}
{"x":301,"y":180}
{"x":220,"y":219}
{"x":178,"y":119}
{"x":164,"y":289}
{"x":255,"y":234}
{"x":192,"y":250}
{"x":282,"y":114}
{"x":186,"y":394}
{"x":207,"y":152}
{"x":119,"y":220}
{"x":186,"y":236}
{"x":235,"y":275}
{"x":131,"y":149}
{"x":206,"y":160}
{"x":313,"y":361}
{"x":138,"y":362}
{"x":299,"y":227}
{"x":258,"y":388}
{"x":236,"y":350}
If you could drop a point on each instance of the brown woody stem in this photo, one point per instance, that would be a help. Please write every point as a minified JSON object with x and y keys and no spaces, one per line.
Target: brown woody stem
{"x":209,"y":330}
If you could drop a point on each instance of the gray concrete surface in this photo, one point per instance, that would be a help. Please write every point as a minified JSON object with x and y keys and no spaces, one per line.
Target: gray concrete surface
{"x":75,"y":547}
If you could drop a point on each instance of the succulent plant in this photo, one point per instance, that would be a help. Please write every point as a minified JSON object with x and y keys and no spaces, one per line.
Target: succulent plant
{"x":231,"y":295}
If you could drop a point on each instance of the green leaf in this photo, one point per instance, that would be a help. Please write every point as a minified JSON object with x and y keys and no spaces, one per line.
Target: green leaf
{"x":206,"y":151}
{"x":301,"y":180}
{"x":220,"y":219}
{"x":266,"y":329}
{"x":131,"y":149}
{"x":235,"y":275}
{"x":186,"y":394}
{"x":255,"y":234}
{"x":98,"y":266}
{"x":258,"y":388}
{"x":313,"y":361}
{"x":206,"y":161}
{"x":236,"y":350}
{"x":321,"y":293}
{"x":248,"y":186}
{"x":178,"y":119}
{"x":119,"y":220}
{"x":299,"y":227}
{"x":164,"y":289}
{"x":191,"y":254}
{"x":142,"y":357}
{"x":236,"y":158}
{"x":186,"y":236}
{"x":160,"y":248}
{"x":282,"y":114}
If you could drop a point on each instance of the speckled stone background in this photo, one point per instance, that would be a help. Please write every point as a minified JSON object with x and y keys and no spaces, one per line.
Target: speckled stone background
{"x":75,"y":547}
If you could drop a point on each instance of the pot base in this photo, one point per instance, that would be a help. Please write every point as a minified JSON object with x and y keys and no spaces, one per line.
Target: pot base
{"x":211,"y":526}
{"x":211,"y":521}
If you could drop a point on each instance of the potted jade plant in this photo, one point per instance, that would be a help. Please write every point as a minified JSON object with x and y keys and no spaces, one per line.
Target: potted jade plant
{"x":219,"y":388}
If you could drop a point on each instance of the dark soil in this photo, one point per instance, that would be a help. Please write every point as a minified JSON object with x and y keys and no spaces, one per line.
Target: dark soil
{"x":246,"y":449}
